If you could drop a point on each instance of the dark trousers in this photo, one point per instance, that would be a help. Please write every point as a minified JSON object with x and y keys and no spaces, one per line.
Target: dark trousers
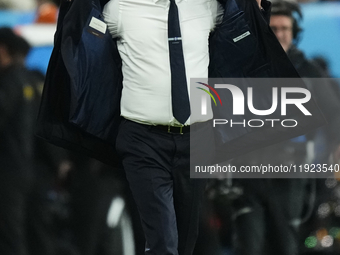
{"x":157,"y":168}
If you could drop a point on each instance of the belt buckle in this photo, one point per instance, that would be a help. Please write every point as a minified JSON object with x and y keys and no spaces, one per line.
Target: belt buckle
{"x":180,"y":130}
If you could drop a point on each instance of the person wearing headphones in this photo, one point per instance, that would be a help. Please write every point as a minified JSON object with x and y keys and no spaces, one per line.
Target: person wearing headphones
{"x":276,"y":208}
{"x":284,"y":22}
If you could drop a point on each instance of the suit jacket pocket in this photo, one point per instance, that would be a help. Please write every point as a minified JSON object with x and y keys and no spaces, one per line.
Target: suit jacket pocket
{"x":235,"y":45}
{"x":239,"y":43}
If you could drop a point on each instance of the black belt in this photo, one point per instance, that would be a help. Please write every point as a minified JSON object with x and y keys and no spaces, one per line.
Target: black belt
{"x":173,"y":130}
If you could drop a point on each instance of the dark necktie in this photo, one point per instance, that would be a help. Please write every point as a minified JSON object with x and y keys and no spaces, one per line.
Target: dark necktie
{"x":179,"y":90}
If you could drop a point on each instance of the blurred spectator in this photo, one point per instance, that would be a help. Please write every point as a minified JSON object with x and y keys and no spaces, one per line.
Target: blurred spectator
{"x":16,"y":145}
{"x":284,"y":22}
{"x":286,"y":28}
{"x":28,"y":165}
{"x":276,"y":207}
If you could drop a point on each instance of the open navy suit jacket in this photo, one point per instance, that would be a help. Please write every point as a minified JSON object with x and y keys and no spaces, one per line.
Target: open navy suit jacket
{"x":80,"y":104}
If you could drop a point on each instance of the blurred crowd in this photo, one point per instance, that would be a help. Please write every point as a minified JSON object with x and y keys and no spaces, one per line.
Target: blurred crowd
{"x":53,"y":201}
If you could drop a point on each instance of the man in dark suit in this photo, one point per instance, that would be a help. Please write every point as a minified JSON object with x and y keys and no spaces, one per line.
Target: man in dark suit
{"x":157,"y":51}
{"x":162,"y":45}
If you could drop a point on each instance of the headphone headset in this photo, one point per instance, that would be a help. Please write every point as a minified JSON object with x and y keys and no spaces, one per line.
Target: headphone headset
{"x":292,"y":10}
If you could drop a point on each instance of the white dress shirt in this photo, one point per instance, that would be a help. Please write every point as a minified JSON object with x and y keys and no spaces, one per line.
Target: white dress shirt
{"x":141,"y":27}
